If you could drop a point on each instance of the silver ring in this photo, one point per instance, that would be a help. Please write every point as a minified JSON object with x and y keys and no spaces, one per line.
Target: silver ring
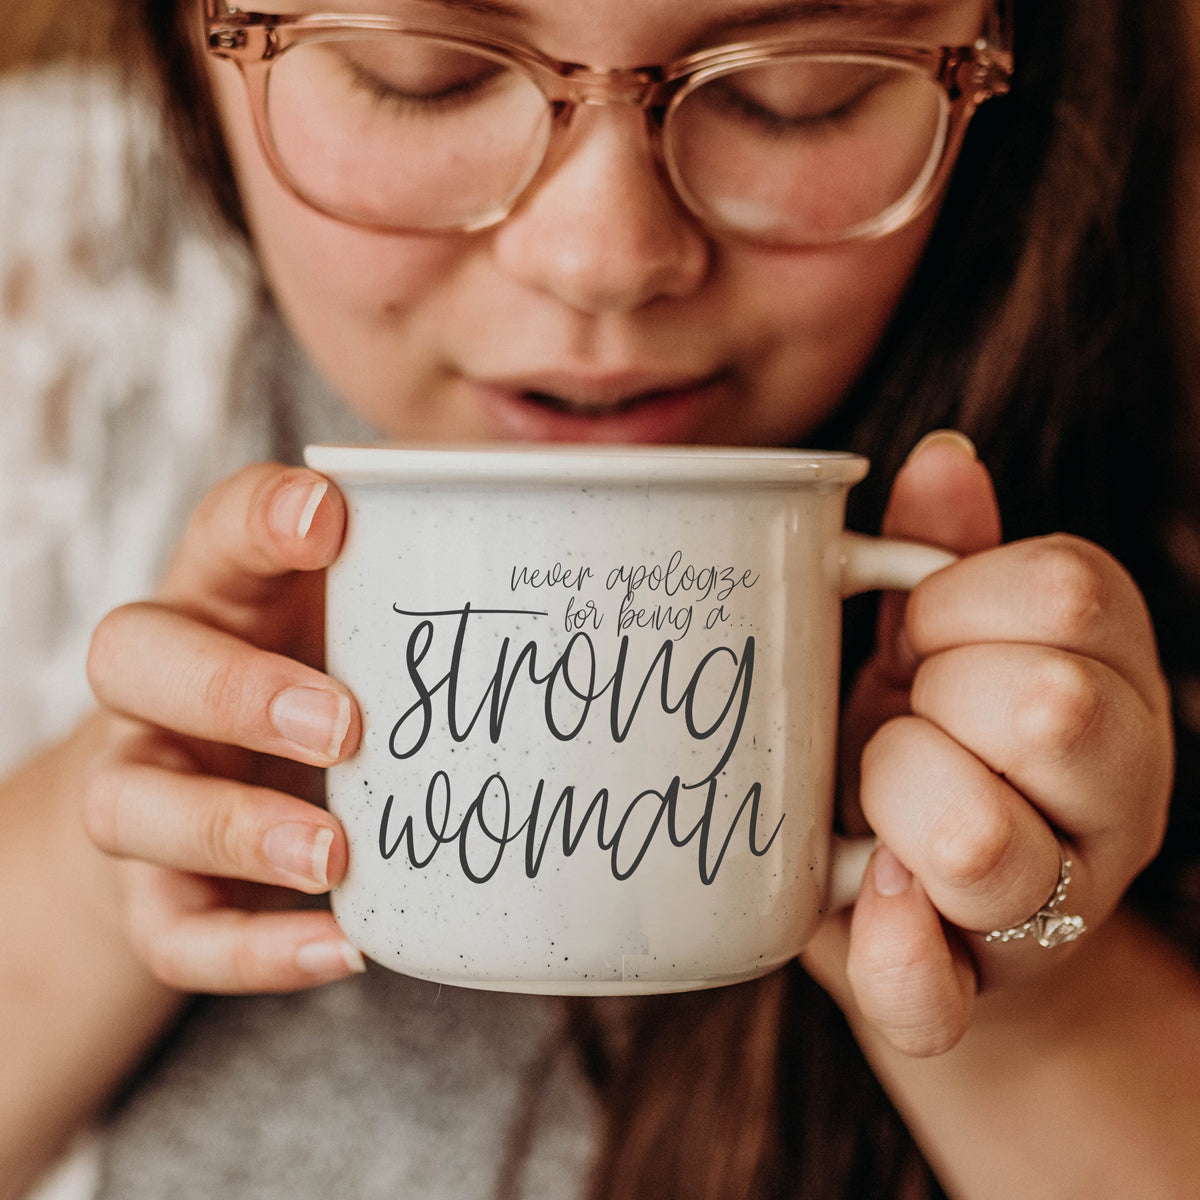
{"x":1049,"y":925}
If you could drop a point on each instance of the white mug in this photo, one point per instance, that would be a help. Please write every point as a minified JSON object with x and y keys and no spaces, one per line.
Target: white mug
{"x":599,"y":691}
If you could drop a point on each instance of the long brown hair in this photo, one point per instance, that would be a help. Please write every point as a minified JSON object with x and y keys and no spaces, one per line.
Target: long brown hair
{"x":1041,"y":323}
{"x":40,"y":31}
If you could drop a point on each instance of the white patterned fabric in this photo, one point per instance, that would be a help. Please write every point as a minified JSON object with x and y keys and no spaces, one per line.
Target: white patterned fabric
{"x":120,"y":328}
{"x":139,"y":364}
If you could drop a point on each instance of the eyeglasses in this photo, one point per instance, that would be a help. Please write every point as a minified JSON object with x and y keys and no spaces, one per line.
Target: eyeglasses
{"x":407,"y":128}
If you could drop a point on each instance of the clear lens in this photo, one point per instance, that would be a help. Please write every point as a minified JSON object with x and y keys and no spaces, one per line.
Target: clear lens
{"x":807,"y":150}
{"x":404,"y":131}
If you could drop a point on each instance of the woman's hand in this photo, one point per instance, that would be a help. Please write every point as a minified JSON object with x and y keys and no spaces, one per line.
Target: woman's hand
{"x":217,"y":716}
{"x":1014,"y":704}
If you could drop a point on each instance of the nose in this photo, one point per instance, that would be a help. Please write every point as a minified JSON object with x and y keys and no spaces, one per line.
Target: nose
{"x":599,"y":230}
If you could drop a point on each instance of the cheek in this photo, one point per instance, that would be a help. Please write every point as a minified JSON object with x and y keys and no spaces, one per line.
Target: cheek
{"x":325,"y":272}
{"x":321,"y":270}
{"x":814,"y":320}
{"x":846,"y":294}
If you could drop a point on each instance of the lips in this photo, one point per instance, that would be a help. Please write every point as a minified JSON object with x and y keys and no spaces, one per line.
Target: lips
{"x":591,"y":410}
{"x":630,"y":407}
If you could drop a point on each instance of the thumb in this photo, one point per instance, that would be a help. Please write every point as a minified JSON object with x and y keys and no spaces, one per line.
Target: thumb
{"x":942,"y":495}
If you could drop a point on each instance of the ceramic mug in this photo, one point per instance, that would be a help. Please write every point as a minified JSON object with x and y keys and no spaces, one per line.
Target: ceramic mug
{"x":599,"y":691}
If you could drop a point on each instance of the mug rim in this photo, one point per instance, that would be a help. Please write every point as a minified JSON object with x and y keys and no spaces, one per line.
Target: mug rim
{"x":581,"y":463}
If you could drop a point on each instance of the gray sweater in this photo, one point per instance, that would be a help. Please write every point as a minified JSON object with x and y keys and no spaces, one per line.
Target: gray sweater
{"x":375,"y":1088}
{"x":139,"y":365}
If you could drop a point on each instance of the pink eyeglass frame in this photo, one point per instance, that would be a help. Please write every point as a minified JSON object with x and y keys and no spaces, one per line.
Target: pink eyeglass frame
{"x":969,"y":75}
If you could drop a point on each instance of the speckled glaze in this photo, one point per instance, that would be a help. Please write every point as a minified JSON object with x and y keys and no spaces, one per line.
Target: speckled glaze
{"x":599,"y":699}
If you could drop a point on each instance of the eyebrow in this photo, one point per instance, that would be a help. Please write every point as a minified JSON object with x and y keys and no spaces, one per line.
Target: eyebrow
{"x":483,"y":8}
{"x":759,"y":14}
{"x":816,"y":10}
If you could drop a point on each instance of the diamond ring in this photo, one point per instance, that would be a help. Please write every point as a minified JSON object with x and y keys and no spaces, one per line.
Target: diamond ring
{"x":1049,"y":925}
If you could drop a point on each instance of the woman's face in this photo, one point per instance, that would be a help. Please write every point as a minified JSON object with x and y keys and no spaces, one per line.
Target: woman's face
{"x":600,"y":310}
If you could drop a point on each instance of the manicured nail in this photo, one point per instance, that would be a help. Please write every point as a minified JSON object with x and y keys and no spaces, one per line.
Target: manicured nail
{"x":314,"y":718}
{"x":945,"y":437}
{"x":296,"y":506}
{"x":330,"y":959}
{"x":891,"y":877}
{"x":300,"y":849}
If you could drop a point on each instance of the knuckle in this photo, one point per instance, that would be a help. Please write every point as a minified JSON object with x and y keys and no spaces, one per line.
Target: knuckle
{"x":152,"y":941}
{"x":248,"y":965}
{"x":236,"y":518}
{"x":967,"y":849}
{"x":160,"y":956}
{"x":223,"y":688}
{"x":918,"y":1033}
{"x":877,"y":969}
{"x":1054,"y":707}
{"x":1155,"y":837}
{"x":889,"y":740}
{"x":109,"y":642}
{"x":225,"y":504}
{"x":1150,"y":834}
{"x":1146,"y":848}
{"x":907,"y":999}
{"x":101,"y":803}
{"x":1070,"y":586}
{"x":886,"y":746}
{"x":929,"y":1038}
{"x":152,"y":929}
{"x":100,"y":653}
{"x":220,"y":840}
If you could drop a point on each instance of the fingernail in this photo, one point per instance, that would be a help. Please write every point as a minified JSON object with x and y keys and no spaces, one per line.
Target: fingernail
{"x":313,"y":718}
{"x":296,"y":506}
{"x":300,"y":849}
{"x":944,"y":437}
{"x":330,"y":959}
{"x":891,"y":877}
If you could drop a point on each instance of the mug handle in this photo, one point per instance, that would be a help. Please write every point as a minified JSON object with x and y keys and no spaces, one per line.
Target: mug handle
{"x":870,"y":564}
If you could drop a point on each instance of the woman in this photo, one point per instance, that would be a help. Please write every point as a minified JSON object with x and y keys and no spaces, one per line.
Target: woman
{"x":1024,"y":303}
